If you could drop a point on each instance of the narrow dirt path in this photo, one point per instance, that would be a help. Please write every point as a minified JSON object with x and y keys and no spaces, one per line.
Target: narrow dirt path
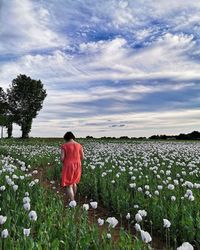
{"x":100,"y":212}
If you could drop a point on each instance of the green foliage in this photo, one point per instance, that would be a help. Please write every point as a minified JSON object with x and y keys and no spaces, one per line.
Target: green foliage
{"x":56,"y":226}
{"x":25,"y":98}
{"x":3,"y":107}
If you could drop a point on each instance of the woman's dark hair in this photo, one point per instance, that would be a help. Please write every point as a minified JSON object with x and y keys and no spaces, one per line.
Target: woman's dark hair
{"x":68,"y":136}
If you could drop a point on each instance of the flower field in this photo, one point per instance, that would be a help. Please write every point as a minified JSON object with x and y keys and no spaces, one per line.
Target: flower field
{"x":153,"y":186}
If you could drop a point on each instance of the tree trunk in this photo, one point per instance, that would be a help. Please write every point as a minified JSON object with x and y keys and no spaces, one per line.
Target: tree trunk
{"x":24,"y":135}
{"x":1,"y":131}
{"x":26,"y":128}
{"x":10,"y":128}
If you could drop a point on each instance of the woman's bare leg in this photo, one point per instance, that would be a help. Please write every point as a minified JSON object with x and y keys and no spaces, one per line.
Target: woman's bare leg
{"x":74,"y":188}
{"x":70,"y":192}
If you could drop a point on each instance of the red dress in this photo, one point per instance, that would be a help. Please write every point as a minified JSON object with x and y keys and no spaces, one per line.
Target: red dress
{"x":71,"y":170}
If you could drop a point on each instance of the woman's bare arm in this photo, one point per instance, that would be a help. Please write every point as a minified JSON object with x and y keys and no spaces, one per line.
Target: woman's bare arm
{"x":81,"y":153}
{"x":62,"y":155}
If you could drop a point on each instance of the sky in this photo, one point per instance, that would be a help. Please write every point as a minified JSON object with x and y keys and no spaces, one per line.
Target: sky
{"x":110,"y":67}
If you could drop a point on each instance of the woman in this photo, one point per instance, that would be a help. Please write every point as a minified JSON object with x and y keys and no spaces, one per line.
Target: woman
{"x":71,"y":157}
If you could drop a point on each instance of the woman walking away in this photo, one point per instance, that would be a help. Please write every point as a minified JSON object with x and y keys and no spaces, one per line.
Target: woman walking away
{"x":71,"y":157}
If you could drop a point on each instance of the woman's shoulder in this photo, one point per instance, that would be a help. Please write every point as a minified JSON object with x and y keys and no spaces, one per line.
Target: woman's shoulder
{"x":78,"y":144}
{"x":64,"y":145}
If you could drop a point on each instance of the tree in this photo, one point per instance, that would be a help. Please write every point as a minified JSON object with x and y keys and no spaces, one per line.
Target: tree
{"x":25,"y":98}
{"x":3,"y":110}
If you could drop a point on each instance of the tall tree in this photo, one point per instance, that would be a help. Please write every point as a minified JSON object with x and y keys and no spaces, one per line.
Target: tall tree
{"x":25,"y":98}
{"x":3,"y":109}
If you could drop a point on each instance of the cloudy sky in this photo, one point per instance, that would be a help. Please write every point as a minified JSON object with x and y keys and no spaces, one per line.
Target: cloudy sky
{"x":110,"y":67}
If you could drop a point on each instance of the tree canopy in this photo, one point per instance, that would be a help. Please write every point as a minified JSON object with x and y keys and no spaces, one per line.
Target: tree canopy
{"x":25,"y":97}
{"x":3,"y":107}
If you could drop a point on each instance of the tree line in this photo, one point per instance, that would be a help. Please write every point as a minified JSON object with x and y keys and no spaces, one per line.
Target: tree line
{"x":20,"y":104}
{"x":195,"y":135}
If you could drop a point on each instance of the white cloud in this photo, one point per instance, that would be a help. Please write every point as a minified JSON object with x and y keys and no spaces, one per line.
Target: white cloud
{"x":165,"y":32}
{"x":26,"y":27}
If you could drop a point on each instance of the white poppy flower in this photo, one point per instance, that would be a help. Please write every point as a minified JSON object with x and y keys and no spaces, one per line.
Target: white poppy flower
{"x":137,"y":227}
{"x":167,"y":223}
{"x":86,"y":206}
{"x":170,"y":187}
{"x":94,"y":204}
{"x":128,"y":216}
{"x":138,"y":217}
{"x":186,"y":246}
{"x":143,"y":213}
{"x":4,"y":233}
{"x":72,"y":203}
{"x":26,"y":231}
{"x":108,"y":236}
{"x":26,"y":200}
{"x":32,"y":215}
{"x":191,"y":198}
{"x":2,"y":219}
{"x":112,"y":221}
{"x":100,"y":221}
{"x":27,"y":206}
{"x":173,"y":198}
{"x":2,"y":188}
{"x":146,"y":237}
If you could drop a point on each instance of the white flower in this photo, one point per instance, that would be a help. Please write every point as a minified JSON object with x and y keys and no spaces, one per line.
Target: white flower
{"x":26,"y":231}
{"x":146,"y":237}
{"x":167,"y":223}
{"x":2,"y":219}
{"x":4,"y":233}
{"x":173,"y":198}
{"x":108,"y":235}
{"x":137,"y":227}
{"x":143,"y":213}
{"x":156,"y":192}
{"x":170,"y":187}
{"x":32,"y":215}
{"x":2,"y":188}
{"x":72,"y":203}
{"x":185,"y":246}
{"x":132,"y":185}
{"x":191,"y":198}
{"x":15,"y":187}
{"x":27,"y":206}
{"x":26,"y":200}
{"x":128,"y":216}
{"x":86,"y":206}
{"x":100,"y":221}
{"x":189,"y":192}
{"x":176,"y":182}
{"x":112,"y":221}
{"x":138,"y":217}
{"x":94,"y":204}
{"x":103,"y":174}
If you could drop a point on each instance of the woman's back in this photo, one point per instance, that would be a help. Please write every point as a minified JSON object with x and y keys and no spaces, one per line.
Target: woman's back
{"x":72,"y":151}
